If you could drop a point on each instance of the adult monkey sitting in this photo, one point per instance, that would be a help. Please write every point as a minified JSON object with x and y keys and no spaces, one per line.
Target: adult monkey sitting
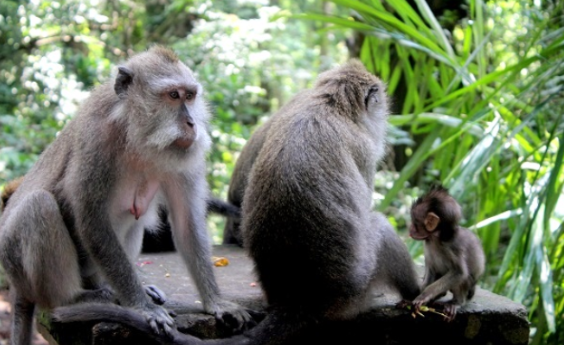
{"x":307,"y":222}
{"x":77,"y":219}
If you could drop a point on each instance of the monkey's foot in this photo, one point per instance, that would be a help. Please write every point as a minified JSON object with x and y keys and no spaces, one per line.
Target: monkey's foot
{"x":157,"y":295}
{"x":449,"y":310}
{"x":158,"y":319}
{"x":101,"y":295}
{"x":418,"y":310}
{"x":232,"y":315}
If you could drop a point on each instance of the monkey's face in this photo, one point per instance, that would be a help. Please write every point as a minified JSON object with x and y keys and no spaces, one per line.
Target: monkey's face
{"x":424,"y":223}
{"x":180,"y":99}
{"x":418,"y":232}
{"x":177,"y":115}
{"x":165,"y":111}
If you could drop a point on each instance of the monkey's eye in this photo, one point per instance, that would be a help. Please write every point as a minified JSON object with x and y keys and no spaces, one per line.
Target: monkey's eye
{"x":373,"y":92}
{"x":174,"y":95}
{"x":372,"y":95}
{"x":190,"y":95}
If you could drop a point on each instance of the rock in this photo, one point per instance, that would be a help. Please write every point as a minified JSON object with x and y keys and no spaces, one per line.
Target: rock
{"x":487,"y":319}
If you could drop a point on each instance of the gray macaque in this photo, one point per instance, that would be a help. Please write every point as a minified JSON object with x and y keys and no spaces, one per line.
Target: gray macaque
{"x":454,"y":258}
{"x":318,"y":249}
{"x":72,"y":227}
{"x":240,"y":176}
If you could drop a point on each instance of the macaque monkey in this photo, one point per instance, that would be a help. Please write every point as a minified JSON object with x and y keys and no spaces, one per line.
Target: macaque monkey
{"x":72,"y":227}
{"x":318,"y":249}
{"x":240,"y":176}
{"x":454,"y":258}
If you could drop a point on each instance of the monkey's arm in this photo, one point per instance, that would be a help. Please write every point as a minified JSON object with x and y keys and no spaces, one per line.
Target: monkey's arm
{"x":442,"y":285}
{"x":91,"y":207}
{"x":429,"y":276}
{"x":186,"y":196}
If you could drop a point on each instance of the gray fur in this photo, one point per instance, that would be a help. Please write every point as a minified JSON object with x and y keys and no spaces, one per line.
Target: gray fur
{"x":77,"y":219}
{"x":454,"y":258}
{"x":319,"y":250}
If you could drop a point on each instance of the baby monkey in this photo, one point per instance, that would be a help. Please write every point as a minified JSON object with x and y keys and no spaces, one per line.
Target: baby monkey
{"x":454,"y":258}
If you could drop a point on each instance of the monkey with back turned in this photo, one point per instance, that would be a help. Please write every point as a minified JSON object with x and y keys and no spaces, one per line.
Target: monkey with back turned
{"x":239,"y":178}
{"x":72,"y":227}
{"x":318,"y":249}
{"x":454,"y":258}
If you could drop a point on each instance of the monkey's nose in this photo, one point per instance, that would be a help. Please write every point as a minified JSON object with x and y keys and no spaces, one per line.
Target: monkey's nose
{"x":190,"y":121}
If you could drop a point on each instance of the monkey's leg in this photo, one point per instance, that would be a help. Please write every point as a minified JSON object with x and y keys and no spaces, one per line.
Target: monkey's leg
{"x":459,"y":298}
{"x":39,"y":258}
{"x":106,"y":295}
{"x":102,"y":295}
{"x":395,"y":262}
{"x":22,"y":320}
{"x":438,"y":288}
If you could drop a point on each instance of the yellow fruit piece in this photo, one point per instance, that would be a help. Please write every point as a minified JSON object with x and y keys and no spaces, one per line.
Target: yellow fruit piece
{"x":220,"y":261}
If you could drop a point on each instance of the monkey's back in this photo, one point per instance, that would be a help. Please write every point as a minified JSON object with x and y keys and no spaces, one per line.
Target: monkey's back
{"x":306,"y":207}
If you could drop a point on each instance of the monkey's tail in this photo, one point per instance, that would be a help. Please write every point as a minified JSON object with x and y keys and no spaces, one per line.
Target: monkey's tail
{"x":277,"y":328}
{"x":223,"y":208}
{"x":86,"y":312}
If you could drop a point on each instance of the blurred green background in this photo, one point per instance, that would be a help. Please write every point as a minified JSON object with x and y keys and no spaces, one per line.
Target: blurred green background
{"x":477,"y":90}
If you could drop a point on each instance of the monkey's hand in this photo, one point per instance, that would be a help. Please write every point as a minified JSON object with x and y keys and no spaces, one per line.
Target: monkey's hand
{"x":158,"y":318}
{"x":421,"y":300}
{"x":419,"y":303}
{"x":157,"y":295}
{"x":232,"y":315}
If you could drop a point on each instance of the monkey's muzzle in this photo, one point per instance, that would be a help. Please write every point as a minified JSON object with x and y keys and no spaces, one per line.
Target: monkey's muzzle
{"x":188,"y":136}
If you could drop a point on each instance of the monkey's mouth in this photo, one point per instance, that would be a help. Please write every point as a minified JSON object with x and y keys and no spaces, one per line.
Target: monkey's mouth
{"x":417,"y":237}
{"x":187,"y":137}
{"x":184,"y":142}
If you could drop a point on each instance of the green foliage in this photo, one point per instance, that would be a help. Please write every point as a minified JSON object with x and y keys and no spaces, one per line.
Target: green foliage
{"x":478,"y":105}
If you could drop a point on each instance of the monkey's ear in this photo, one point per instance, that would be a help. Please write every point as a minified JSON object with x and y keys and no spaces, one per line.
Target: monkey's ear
{"x":123,"y":80}
{"x":431,"y":221}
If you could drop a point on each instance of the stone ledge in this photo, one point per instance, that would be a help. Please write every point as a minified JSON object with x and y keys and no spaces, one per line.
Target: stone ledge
{"x":487,"y":319}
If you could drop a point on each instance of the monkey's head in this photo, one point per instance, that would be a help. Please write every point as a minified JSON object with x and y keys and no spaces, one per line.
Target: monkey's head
{"x":162,"y":104}
{"x":354,"y":91}
{"x":434,"y":215}
{"x":358,"y":95}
